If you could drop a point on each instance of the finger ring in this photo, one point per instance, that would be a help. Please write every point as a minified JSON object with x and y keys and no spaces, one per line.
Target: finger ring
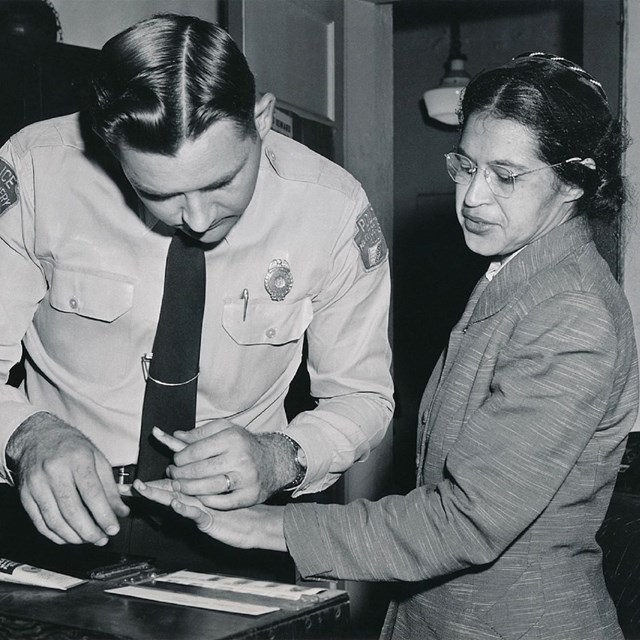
{"x":228,"y":479}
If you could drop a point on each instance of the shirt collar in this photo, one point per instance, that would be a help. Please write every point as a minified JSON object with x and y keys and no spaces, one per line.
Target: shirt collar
{"x":497,"y":265}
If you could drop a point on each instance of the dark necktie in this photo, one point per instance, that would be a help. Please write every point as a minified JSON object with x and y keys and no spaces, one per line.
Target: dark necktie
{"x":170,"y":395}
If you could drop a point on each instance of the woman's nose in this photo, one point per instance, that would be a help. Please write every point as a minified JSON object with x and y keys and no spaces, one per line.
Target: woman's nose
{"x":478,"y":191}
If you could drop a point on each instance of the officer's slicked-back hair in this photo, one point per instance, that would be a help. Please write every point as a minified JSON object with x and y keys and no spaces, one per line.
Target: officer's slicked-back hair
{"x":567,"y":112}
{"x":167,"y":79}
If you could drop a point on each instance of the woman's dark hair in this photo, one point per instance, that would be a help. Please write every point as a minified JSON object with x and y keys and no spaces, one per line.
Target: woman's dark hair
{"x":568,"y":113}
{"x":167,"y":79}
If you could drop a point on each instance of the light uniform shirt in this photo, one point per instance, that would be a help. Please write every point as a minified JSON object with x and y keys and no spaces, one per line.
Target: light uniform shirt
{"x":81,"y":280}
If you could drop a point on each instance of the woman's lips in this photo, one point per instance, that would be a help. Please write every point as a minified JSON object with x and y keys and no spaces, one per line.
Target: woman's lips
{"x":476,"y":225}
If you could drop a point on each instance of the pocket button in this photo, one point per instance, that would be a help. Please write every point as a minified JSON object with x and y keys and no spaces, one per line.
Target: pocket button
{"x":73,"y":303}
{"x":270,"y":333}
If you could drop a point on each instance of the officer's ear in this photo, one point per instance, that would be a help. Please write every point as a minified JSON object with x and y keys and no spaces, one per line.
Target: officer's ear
{"x":263,"y":114}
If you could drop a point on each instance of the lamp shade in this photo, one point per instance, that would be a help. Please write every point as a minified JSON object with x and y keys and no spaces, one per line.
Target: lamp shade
{"x":442,"y":102}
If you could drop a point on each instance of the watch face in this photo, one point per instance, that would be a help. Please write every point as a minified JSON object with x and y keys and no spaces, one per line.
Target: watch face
{"x":301,"y":459}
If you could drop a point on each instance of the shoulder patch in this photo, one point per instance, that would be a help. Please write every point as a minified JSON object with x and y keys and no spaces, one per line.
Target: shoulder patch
{"x":8,"y":186}
{"x":369,"y":239}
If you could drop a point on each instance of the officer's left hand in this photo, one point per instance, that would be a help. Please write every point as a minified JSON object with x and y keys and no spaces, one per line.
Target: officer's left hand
{"x":207,"y":456}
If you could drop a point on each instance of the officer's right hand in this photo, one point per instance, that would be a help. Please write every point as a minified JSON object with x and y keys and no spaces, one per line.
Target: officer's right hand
{"x":65,"y":483}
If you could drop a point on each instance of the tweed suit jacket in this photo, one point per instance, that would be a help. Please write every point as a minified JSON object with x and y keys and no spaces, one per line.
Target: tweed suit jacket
{"x":521,"y":430}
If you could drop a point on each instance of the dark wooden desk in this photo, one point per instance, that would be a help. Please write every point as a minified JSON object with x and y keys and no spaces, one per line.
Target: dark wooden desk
{"x":85,"y":612}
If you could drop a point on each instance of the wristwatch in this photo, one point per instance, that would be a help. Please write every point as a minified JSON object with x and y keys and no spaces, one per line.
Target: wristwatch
{"x":300,"y":461}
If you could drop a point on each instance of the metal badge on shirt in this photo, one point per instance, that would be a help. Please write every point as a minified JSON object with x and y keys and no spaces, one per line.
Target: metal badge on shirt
{"x":8,"y":186}
{"x":369,"y":239}
{"x":278,"y":280}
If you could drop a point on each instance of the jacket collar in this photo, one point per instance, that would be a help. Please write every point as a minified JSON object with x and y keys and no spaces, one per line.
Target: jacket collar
{"x":546,"y":251}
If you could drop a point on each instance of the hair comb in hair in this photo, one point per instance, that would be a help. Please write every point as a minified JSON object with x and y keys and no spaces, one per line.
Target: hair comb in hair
{"x":540,"y":55}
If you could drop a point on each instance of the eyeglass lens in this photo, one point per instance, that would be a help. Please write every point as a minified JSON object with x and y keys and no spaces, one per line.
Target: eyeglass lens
{"x":461,"y":170}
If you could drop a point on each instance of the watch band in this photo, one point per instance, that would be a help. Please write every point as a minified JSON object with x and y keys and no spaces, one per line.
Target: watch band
{"x":300,"y":467}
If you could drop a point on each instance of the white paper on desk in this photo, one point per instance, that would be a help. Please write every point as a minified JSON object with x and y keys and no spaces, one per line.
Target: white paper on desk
{"x":20,"y":573}
{"x":191,"y":600}
{"x":240,"y":585}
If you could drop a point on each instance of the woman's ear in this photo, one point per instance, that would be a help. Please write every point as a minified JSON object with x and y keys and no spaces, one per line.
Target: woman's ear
{"x":574,"y":193}
{"x":263,"y":114}
{"x":571,"y":193}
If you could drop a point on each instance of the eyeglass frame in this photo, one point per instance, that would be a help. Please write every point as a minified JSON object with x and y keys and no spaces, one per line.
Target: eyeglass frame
{"x":512,"y":175}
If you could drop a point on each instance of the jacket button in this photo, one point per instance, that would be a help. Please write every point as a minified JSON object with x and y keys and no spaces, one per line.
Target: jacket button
{"x":73,"y":303}
{"x":270,"y":333}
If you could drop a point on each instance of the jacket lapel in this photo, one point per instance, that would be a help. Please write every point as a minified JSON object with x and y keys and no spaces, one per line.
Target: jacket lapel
{"x":547,"y":250}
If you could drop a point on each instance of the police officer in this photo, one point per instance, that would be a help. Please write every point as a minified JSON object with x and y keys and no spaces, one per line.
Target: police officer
{"x":178,"y":142}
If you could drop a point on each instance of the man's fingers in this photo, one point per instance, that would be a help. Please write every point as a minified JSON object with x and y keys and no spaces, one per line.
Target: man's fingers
{"x":208,"y":429}
{"x":71,"y":500}
{"x":180,"y":439}
{"x":229,"y":501}
{"x":34,"y":513}
{"x":66,"y":484}
{"x":221,"y":483}
{"x":111,"y":489}
{"x":98,"y":505}
{"x":206,"y":468}
{"x":167,"y":440}
{"x":73,"y":503}
{"x":48,"y":519}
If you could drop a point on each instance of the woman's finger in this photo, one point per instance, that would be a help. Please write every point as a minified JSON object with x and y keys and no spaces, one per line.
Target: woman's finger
{"x":201,"y":516}
{"x":154,"y":493}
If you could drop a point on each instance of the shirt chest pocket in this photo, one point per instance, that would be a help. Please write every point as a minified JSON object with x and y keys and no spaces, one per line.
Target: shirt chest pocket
{"x":85,"y":328}
{"x":266,"y":322}
{"x":102,"y":296}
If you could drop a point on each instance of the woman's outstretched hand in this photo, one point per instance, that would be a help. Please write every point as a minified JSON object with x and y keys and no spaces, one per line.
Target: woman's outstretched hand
{"x":258,"y":527}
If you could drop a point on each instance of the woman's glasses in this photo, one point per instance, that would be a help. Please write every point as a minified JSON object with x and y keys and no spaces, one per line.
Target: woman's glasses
{"x":501,"y":181}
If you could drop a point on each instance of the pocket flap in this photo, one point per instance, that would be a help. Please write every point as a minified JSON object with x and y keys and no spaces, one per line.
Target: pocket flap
{"x":103,"y":296}
{"x":266,"y":322}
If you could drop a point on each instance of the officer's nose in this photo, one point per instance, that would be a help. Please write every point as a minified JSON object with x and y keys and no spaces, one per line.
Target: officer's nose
{"x":197,"y":213}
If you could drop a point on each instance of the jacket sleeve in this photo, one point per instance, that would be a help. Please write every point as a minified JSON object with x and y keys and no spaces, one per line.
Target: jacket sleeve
{"x":349,"y":356}
{"x":22,"y":284}
{"x":552,"y":384}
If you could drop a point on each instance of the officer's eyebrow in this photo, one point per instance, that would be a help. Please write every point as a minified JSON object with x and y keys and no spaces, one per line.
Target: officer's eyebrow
{"x":217,"y":184}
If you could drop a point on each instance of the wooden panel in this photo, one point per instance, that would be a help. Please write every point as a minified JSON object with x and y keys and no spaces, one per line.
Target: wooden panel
{"x":299,"y":79}
{"x":41,"y":82}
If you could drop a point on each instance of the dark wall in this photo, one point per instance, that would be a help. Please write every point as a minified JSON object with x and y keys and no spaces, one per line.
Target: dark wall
{"x":433,"y":272}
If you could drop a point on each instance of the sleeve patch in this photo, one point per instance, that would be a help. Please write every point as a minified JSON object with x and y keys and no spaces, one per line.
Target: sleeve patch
{"x":369,"y":239}
{"x":8,"y":186}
